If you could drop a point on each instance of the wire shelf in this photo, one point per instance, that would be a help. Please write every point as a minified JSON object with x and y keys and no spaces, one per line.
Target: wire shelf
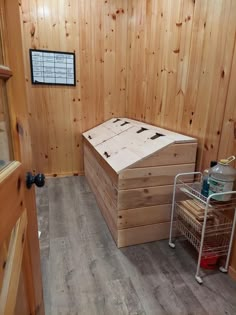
{"x":217,"y":221}
{"x":207,"y":223}
{"x":193,"y":190}
{"x":216,"y":244}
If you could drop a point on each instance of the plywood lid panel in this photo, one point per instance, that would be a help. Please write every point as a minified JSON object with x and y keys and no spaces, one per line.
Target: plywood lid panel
{"x":123,"y":142}
{"x":177,"y":137}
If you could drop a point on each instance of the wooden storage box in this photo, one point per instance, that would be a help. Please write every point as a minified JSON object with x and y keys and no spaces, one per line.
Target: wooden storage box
{"x":130,"y":167}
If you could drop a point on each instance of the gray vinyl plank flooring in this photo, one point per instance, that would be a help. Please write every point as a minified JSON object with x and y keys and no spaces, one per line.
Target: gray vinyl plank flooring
{"x":84,"y":272}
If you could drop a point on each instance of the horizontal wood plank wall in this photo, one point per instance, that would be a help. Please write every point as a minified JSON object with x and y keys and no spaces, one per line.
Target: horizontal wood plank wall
{"x":161,"y":61}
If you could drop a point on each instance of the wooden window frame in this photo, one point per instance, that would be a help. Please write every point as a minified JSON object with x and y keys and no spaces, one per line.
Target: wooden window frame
{"x":5,"y":71}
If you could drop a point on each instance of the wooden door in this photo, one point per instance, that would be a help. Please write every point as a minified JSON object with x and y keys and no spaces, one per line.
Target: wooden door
{"x":29,"y":299}
{"x":13,"y":227}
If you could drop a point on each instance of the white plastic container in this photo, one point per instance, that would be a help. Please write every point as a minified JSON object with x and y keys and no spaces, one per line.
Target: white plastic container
{"x":222,"y":177}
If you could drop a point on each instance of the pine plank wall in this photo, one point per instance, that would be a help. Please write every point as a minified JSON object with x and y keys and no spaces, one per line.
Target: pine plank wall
{"x":167,"y":62}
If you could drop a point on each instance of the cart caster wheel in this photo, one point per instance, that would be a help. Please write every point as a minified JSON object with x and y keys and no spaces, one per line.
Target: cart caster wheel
{"x":223,"y":269}
{"x":172,"y":245}
{"x":199,"y":279}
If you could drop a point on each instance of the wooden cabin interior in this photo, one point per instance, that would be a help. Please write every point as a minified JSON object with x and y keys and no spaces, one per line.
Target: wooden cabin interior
{"x":149,"y":92}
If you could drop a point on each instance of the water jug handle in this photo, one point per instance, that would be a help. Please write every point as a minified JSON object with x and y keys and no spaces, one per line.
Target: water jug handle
{"x":230,"y":159}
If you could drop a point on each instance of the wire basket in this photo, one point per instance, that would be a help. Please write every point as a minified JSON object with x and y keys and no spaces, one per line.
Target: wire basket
{"x":217,"y":237}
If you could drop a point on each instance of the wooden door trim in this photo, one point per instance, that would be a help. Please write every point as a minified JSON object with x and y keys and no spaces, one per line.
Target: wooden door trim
{"x":11,"y":177}
{"x":5,"y":72}
{"x":8,"y":169}
{"x":13,"y":266}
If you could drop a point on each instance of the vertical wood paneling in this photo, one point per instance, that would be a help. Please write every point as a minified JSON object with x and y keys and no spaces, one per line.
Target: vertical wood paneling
{"x":228,"y":134}
{"x":161,"y":61}
{"x":222,"y":66}
{"x":115,"y":57}
{"x":179,"y":68}
{"x":136,"y":58}
{"x":97,"y":32}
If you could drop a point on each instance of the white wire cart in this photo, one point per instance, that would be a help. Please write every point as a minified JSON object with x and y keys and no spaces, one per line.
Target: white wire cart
{"x":206,"y":223}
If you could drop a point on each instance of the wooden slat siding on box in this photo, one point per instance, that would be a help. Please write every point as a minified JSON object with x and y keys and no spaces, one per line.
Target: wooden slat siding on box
{"x":105,"y":166}
{"x":105,"y":209}
{"x":143,"y":234}
{"x":174,"y":154}
{"x":103,"y":187}
{"x":97,"y":170}
{"x":135,"y":200}
{"x":143,"y":216}
{"x":146,"y":197}
{"x":152,"y":176}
